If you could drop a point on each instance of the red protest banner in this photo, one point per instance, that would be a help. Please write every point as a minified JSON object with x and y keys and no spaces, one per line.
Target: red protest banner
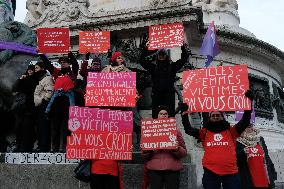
{"x":99,"y":134}
{"x":166,"y":36}
{"x":111,"y":89}
{"x":53,"y":40}
{"x":94,"y":41}
{"x":158,"y":134}
{"x":219,"y":88}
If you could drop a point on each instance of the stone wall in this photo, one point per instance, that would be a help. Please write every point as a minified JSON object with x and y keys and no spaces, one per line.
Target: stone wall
{"x":60,"y":176}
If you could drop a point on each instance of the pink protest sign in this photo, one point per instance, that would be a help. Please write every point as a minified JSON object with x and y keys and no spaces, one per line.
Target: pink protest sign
{"x":99,"y":134}
{"x":53,"y":40}
{"x":111,"y":89}
{"x":219,"y":88}
{"x":158,"y":134}
{"x":166,"y":36}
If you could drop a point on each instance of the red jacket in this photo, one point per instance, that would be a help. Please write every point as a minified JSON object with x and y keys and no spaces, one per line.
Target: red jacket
{"x":107,"y":167}
{"x":220,"y":151}
{"x":65,"y":82}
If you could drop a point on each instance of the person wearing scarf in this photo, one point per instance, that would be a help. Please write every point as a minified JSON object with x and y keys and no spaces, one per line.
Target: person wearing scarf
{"x":219,"y":142}
{"x":42,"y":95}
{"x":116,"y":64}
{"x":255,"y":166}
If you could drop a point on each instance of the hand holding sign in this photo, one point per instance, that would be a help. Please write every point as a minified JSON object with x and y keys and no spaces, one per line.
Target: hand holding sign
{"x":219,"y":88}
{"x":166,"y":36}
{"x":53,"y":40}
{"x":249,"y":94}
{"x":99,"y":134}
{"x":159,"y":134}
{"x":94,"y":41}
{"x":183,"y":108}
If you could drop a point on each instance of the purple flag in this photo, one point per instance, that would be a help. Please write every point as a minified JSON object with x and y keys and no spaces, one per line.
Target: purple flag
{"x":239,"y":116}
{"x":17,"y":47}
{"x":210,"y":47}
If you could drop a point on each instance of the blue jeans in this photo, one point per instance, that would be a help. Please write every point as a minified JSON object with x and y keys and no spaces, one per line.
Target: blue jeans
{"x":211,"y":180}
{"x":61,"y":92}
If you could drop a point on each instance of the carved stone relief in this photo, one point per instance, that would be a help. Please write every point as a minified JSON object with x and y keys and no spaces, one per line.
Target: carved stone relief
{"x":156,"y":3}
{"x":217,"y":4}
{"x":278,"y":102}
{"x":230,"y":6}
{"x":61,"y":13}
{"x":260,"y":87}
{"x":55,"y":11}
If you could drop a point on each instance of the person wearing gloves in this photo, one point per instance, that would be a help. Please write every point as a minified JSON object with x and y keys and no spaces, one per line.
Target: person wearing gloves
{"x":255,"y":166}
{"x":96,"y":66}
{"x":219,"y":143}
{"x":163,"y":166}
{"x":163,"y":72}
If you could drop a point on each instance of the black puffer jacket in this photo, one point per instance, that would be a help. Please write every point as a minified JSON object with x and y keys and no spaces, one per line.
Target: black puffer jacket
{"x":27,"y":86}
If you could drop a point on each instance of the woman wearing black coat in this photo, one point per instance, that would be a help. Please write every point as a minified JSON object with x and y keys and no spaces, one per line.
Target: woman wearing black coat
{"x":163,"y":73}
{"x":24,"y":110}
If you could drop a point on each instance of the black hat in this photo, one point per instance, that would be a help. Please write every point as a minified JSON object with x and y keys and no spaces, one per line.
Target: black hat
{"x":31,"y":67}
{"x":162,"y":107}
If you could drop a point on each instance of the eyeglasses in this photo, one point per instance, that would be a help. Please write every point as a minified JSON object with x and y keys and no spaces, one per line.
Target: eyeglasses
{"x":120,"y":57}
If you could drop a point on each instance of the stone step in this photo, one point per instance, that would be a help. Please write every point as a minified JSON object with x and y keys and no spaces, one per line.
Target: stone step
{"x":60,"y":176}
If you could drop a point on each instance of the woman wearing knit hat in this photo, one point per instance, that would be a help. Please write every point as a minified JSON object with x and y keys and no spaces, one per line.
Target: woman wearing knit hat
{"x":162,"y":167}
{"x":116,"y":64}
{"x":219,"y":142}
{"x":255,"y":166}
{"x":108,"y":173}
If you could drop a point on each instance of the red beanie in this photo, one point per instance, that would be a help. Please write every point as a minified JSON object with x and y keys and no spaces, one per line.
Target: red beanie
{"x":115,"y":55}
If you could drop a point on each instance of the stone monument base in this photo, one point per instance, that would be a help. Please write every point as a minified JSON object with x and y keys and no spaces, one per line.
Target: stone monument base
{"x":60,"y":176}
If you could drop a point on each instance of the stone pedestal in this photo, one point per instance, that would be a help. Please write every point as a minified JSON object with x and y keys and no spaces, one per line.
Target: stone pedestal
{"x":35,"y":176}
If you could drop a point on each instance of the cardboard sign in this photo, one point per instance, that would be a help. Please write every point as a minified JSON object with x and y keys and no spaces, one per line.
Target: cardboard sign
{"x":111,"y":89}
{"x":99,"y":134}
{"x":219,"y":88}
{"x":158,"y":134}
{"x":94,"y":41}
{"x":239,"y":116}
{"x":166,"y":36}
{"x":53,"y":40}
{"x":38,"y":158}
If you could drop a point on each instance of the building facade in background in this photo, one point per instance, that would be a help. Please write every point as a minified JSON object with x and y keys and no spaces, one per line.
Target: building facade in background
{"x":128,"y":21}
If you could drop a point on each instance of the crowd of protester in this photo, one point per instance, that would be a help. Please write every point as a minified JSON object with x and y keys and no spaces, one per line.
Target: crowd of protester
{"x":44,"y":93}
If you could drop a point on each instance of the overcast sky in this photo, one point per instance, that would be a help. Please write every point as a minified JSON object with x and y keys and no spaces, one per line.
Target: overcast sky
{"x":261,"y":17}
